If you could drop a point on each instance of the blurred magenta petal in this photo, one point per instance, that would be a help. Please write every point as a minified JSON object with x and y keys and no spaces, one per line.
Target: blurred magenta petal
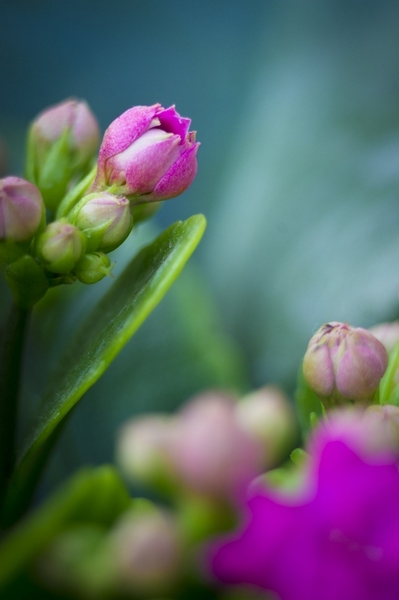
{"x":342,"y":543}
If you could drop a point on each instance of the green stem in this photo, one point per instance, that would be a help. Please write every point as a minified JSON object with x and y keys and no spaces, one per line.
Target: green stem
{"x":10,"y":366}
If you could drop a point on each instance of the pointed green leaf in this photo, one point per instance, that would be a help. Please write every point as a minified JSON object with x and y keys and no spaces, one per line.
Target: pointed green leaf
{"x":104,"y":333}
{"x":91,"y":496}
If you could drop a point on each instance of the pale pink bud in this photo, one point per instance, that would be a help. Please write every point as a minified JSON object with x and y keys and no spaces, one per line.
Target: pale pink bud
{"x":344,"y":363}
{"x":105,"y":220}
{"x":74,"y":116}
{"x":143,"y":449}
{"x":148,"y":154}
{"x":212,"y":453}
{"x":372,"y":433}
{"x":63,"y":140}
{"x":147,"y":552}
{"x":387,"y":334}
{"x":61,"y":246}
{"x":21,"y":209}
{"x":268,"y":416}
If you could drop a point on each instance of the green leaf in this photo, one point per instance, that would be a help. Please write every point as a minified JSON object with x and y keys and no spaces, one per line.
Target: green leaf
{"x":91,"y":496}
{"x":101,"y":337}
{"x":388,"y":392}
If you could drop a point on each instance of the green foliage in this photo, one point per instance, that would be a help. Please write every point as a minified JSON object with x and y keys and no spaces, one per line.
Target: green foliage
{"x":91,"y":496}
{"x":100,"y":338}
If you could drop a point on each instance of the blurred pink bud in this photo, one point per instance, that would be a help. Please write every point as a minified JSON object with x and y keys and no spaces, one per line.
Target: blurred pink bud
{"x":387,"y":334}
{"x":21,"y":209}
{"x":268,"y":416}
{"x":372,"y":433}
{"x":212,"y":453}
{"x":147,"y":552}
{"x":143,"y":446}
{"x":74,"y":116}
{"x":61,"y":246}
{"x":105,"y":220}
{"x":344,"y":363}
{"x":148,"y":154}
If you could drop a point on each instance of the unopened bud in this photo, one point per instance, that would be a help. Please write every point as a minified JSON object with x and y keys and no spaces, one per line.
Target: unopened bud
{"x":105,"y":220}
{"x":61,"y":246}
{"x":147,"y":552}
{"x":343,"y":363}
{"x":21,"y":209}
{"x":62,"y":142}
{"x":93,"y":267}
{"x":148,"y":154}
{"x":387,"y":334}
{"x":372,"y":433}
{"x":143,"y":449}
{"x":212,"y":454}
{"x":267,"y":415}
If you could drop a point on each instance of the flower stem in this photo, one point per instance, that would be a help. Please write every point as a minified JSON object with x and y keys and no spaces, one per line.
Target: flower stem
{"x":10,"y":365}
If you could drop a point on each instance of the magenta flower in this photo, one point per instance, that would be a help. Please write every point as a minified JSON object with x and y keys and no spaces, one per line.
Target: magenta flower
{"x":337,"y":539}
{"x":147,"y":154}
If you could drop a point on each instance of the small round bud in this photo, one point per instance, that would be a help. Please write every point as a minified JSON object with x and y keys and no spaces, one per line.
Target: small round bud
{"x":105,"y":220}
{"x":93,"y":267}
{"x":61,"y":246}
{"x":142,"y":449}
{"x":343,"y":363}
{"x":21,"y":209}
{"x":267,"y":415}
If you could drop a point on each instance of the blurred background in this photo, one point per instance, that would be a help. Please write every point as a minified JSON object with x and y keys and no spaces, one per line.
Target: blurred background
{"x":297,"y":109}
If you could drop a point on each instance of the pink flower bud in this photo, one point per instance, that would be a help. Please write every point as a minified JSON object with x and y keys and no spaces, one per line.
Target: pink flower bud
{"x":268,"y":416}
{"x":147,"y":552}
{"x":344,"y":363}
{"x":105,"y":220}
{"x":387,"y":334}
{"x":212,"y":453}
{"x":143,"y":449}
{"x":61,"y":246}
{"x":372,"y":433}
{"x":74,"y":116}
{"x":148,"y":154}
{"x":21,"y":209}
{"x":63,"y":140}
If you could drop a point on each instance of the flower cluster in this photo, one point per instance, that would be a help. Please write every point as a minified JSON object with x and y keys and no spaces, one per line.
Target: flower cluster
{"x":213,"y":447}
{"x":201,"y":460}
{"x":73,"y":210}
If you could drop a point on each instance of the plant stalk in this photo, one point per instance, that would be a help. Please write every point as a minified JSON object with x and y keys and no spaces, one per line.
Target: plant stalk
{"x":11,"y":351}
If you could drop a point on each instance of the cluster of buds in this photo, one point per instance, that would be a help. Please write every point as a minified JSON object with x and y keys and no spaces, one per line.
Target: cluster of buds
{"x":72,"y":210}
{"x":203,"y":456}
{"x":141,"y":555}
{"x":213,"y":447}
